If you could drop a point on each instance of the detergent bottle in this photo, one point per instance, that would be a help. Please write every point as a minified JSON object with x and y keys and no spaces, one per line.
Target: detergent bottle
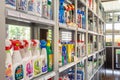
{"x":27,"y":60}
{"x":64,"y":54}
{"x":8,"y":61}
{"x":49,"y":8}
{"x":43,"y":56}
{"x":22,"y":5}
{"x":69,"y":52}
{"x":10,"y":4}
{"x":36,"y":57}
{"x":60,"y":54}
{"x":44,"y":8}
{"x":18,"y":71}
{"x":49,"y":56}
{"x":38,"y":7}
{"x":61,"y":12}
{"x":31,"y":6}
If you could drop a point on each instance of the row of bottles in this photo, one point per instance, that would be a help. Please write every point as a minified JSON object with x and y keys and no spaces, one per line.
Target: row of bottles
{"x":66,"y":52}
{"x":27,"y":59}
{"x":41,"y":8}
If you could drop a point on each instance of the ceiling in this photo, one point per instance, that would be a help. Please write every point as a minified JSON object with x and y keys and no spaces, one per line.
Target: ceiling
{"x":111,"y":5}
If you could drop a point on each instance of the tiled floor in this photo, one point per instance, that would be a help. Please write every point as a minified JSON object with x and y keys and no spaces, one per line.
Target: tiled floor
{"x":111,"y":75}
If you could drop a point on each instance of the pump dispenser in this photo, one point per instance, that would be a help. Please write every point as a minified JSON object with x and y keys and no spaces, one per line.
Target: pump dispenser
{"x":8,"y":61}
{"x":18,"y":71}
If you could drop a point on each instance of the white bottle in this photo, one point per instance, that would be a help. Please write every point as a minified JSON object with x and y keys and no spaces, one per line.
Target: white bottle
{"x":27,"y":61}
{"x":18,"y":71}
{"x":36,"y":58}
{"x":21,"y":5}
{"x":43,"y":56}
{"x":8,"y":61}
{"x":38,"y":8}
{"x":31,"y":6}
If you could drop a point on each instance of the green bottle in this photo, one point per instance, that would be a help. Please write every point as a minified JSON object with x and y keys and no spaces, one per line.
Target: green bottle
{"x":49,"y":56}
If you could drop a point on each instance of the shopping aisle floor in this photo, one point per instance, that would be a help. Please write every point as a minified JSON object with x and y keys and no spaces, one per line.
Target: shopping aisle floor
{"x":111,"y":75}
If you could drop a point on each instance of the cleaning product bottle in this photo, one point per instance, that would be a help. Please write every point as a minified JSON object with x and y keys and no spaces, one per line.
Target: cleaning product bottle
{"x":36,"y":57}
{"x":18,"y":71}
{"x":69,"y":52}
{"x":31,"y":6}
{"x":10,"y":4}
{"x":27,"y":60}
{"x":44,"y":8}
{"x":49,"y":8}
{"x":38,"y":8}
{"x":22,"y":5}
{"x":60,"y":54}
{"x":49,"y":56}
{"x":61,"y":11}
{"x":64,"y":54}
{"x":8,"y":61}
{"x":43,"y":56}
{"x":72,"y":50}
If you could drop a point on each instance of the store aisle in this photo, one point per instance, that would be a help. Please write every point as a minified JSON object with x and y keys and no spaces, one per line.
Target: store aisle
{"x":111,"y":76}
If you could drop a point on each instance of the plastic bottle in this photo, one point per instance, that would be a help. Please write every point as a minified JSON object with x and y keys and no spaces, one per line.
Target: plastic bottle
{"x":31,"y":6}
{"x":36,"y":57}
{"x":44,"y":8}
{"x":61,"y":12}
{"x":10,"y":4}
{"x":39,"y":7}
{"x":49,"y":9}
{"x":18,"y":70}
{"x":43,"y":56}
{"x":22,"y":5}
{"x":49,"y":56}
{"x":60,"y":54}
{"x":27,"y":60}
{"x":8,"y":61}
{"x":69,"y":52}
{"x":64,"y":54}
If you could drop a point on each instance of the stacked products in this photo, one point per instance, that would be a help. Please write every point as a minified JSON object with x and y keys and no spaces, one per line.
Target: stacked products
{"x":42,"y":8}
{"x":26,"y":59}
{"x":66,"y":52}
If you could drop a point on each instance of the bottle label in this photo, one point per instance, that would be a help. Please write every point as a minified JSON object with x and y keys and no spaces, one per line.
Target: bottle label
{"x":10,"y":2}
{"x":37,"y":67}
{"x":19,"y":73}
{"x":29,"y":69}
{"x":8,"y":72}
{"x":44,"y":66}
{"x":50,"y":61}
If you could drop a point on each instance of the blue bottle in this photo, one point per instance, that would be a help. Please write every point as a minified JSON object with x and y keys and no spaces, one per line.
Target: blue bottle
{"x":61,"y":12}
{"x":64,"y":55}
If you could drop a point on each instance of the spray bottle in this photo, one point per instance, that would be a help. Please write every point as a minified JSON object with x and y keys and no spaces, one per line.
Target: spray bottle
{"x":10,"y":4}
{"x":38,"y":8}
{"x":36,"y":57}
{"x":27,"y":60}
{"x":18,"y":71}
{"x":49,"y":56}
{"x":49,"y":8}
{"x":8,"y":61}
{"x":43,"y":56}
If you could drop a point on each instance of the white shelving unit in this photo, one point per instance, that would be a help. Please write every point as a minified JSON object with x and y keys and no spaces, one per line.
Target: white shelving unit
{"x":9,"y":14}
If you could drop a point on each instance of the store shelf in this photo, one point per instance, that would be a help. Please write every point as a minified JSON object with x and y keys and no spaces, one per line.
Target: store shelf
{"x":95,"y":72}
{"x":82,"y":59}
{"x":45,"y":76}
{"x":91,"y":32}
{"x":81,"y":30}
{"x":95,"y":52}
{"x":24,"y":17}
{"x":65,"y":26}
{"x":67,"y":66}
